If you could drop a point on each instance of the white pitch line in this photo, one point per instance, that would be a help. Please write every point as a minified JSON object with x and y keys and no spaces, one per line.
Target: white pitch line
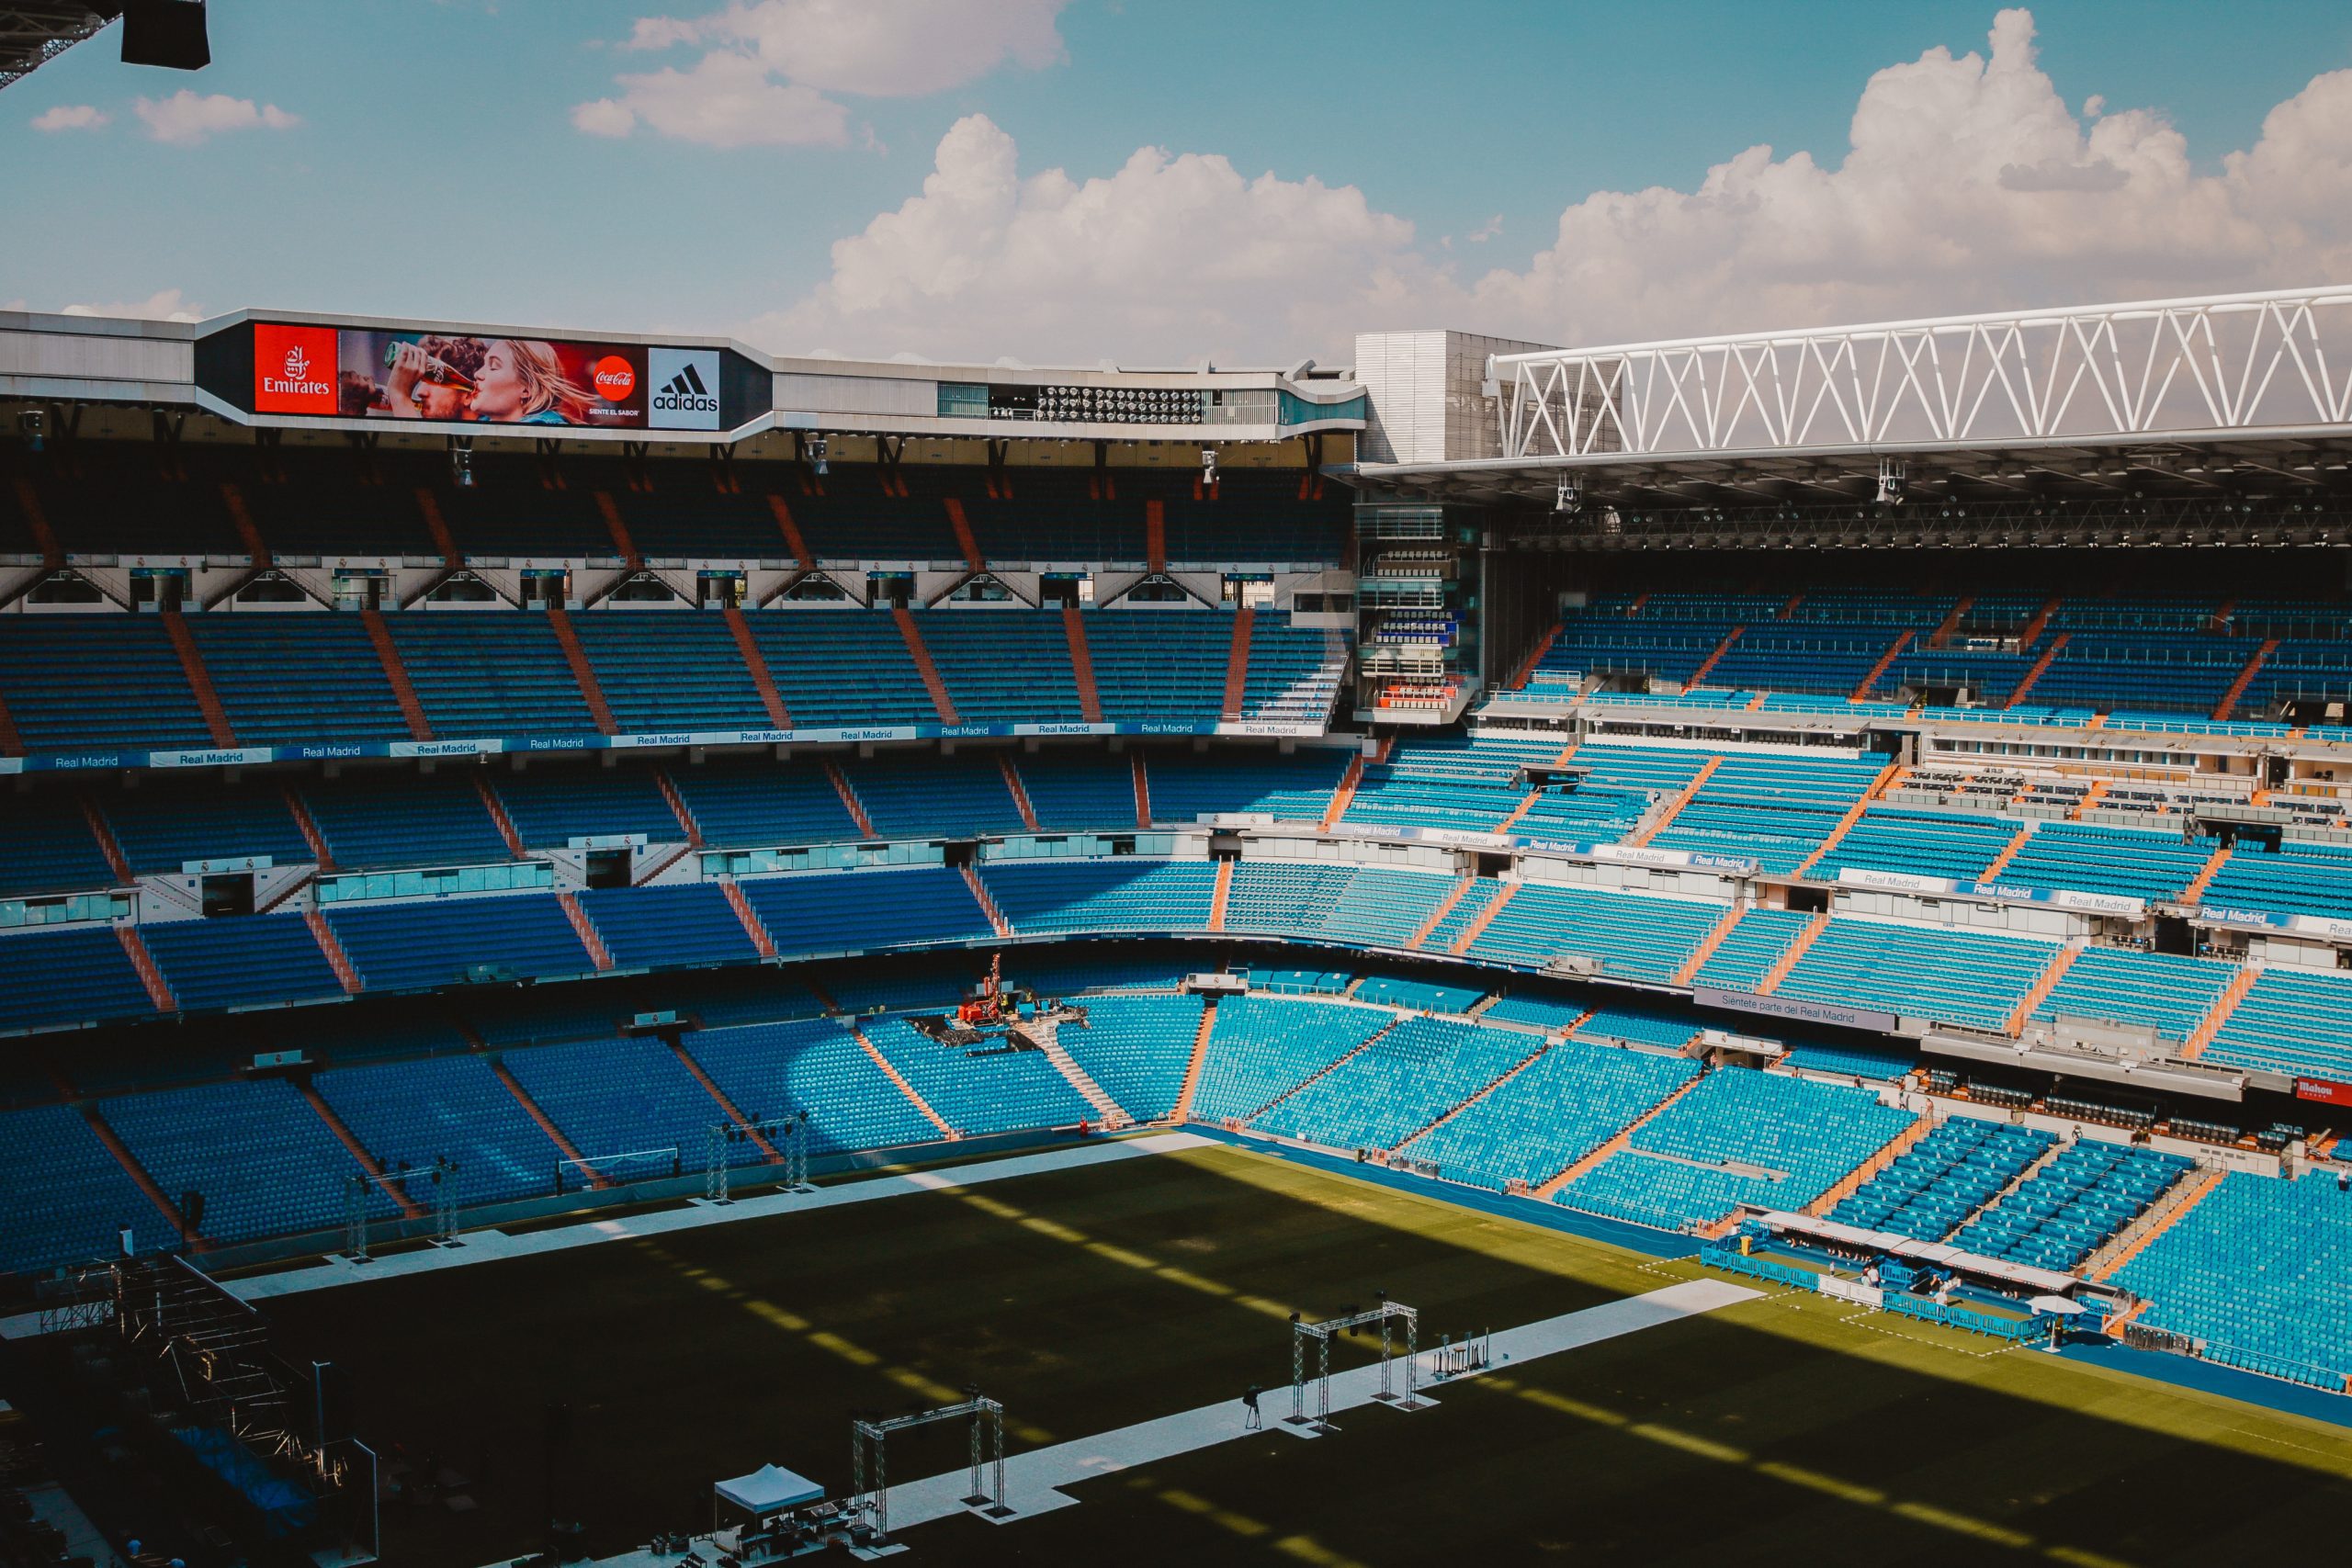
{"x":1033,"y":1480}
{"x":493,"y":1246}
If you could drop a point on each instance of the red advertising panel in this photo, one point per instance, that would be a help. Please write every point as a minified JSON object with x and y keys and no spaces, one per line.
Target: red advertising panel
{"x":294,"y":369}
{"x":2324,"y":1091}
{"x":456,"y":379}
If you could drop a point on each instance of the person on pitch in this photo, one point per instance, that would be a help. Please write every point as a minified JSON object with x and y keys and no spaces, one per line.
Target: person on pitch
{"x":1250,"y":1420}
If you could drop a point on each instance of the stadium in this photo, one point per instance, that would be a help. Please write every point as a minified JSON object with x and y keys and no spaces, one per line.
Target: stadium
{"x":1725,"y":946}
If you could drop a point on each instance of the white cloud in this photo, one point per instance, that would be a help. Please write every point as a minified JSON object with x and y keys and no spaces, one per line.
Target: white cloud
{"x":1172,"y":256}
{"x":71,"y":117}
{"x":168,"y":305}
{"x":605,"y":117}
{"x":768,"y":65}
{"x":1968,"y":184}
{"x":725,"y":100}
{"x":896,"y":48}
{"x":188,"y":118}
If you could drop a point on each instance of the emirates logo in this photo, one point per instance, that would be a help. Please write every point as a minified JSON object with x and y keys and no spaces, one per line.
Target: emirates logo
{"x":297,"y":363}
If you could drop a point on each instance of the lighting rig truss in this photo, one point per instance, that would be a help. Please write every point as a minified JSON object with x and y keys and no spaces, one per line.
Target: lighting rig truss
{"x":1321,"y":1335}
{"x":868,"y":1452}
{"x":1943,"y":523}
{"x":788,"y":1134}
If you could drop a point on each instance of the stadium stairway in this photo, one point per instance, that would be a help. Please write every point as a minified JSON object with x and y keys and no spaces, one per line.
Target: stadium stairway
{"x":1329,"y":1067}
{"x":924,"y":668}
{"x":1622,"y":1139}
{"x":1852,"y":1181}
{"x":134,"y":947}
{"x":1446,"y":906}
{"x":2017,"y":840}
{"x":1114,"y":1115}
{"x":1689,"y":792}
{"x":500,"y":816}
{"x":337,"y":960}
{"x":988,"y":905}
{"x":1700,"y":674}
{"x":110,"y":846}
{"x":138,"y":1173}
{"x":1081,"y":660}
{"x":592,"y":691}
{"x":964,"y":541}
{"x":1791,"y":953}
{"x":1221,"y":892}
{"x":753,"y":926}
{"x":2236,"y":693}
{"x":308,"y":826}
{"x":1707,"y":945}
{"x":897,"y":1077}
{"x":1484,"y":918}
{"x":408,"y":1206}
{"x":1237,"y":666}
{"x":678,"y":807}
{"x":556,"y":1135}
{"x":1143,"y":792}
{"x":694,"y":1071}
{"x":2045,"y":983}
{"x":2035,"y":672}
{"x":1344,"y":792}
{"x":789,"y":526}
{"x":2033,"y":1167}
{"x":2205,"y":875}
{"x":850,"y":802}
{"x":590,"y":938}
{"x":1543,"y":1044}
{"x":1020,"y":792}
{"x":762,"y":681}
{"x":199,"y":680}
{"x":1887,"y":779}
{"x":1894,"y":650}
{"x":2218,"y":1013}
{"x":396,"y":675}
{"x":2166,"y":1212}
{"x":1183,"y":1112}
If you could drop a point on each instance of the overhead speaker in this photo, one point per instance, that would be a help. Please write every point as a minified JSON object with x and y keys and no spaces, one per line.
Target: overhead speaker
{"x":169,"y":33}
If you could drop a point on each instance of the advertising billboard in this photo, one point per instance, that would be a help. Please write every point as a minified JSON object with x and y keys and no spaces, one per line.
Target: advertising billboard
{"x":685,"y":387}
{"x":453,"y":376}
{"x":455,"y":379}
{"x":2324,"y":1090}
{"x":294,"y":369}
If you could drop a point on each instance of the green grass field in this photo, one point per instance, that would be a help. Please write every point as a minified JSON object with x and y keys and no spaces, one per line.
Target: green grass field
{"x":1785,"y":1429}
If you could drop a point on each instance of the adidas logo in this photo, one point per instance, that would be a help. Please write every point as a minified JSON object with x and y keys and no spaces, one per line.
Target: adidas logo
{"x":684,"y":393}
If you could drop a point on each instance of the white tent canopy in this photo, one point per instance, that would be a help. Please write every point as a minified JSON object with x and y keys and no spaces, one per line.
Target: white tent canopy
{"x":768,"y":1488}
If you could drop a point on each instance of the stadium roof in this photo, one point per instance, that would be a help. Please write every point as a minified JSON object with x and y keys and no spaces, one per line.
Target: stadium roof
{"x":2176,"y":398}
{"x":34,"y":32}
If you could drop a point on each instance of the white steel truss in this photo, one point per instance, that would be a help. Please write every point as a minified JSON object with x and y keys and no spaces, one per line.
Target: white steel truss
{"x":2252,"y":364}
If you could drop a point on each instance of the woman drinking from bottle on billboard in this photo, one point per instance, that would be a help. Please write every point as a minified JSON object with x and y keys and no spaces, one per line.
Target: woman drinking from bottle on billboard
{"x":518,"y":381}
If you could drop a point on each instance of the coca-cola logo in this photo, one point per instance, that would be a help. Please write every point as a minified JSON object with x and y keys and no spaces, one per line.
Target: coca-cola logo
{"x":615,"y":378}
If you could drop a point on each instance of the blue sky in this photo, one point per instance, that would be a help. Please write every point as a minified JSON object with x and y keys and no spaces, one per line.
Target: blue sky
{"x":400,"y":157}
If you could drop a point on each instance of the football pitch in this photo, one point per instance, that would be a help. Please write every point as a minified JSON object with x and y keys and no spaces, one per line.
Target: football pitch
{"x":1781,"y":1428}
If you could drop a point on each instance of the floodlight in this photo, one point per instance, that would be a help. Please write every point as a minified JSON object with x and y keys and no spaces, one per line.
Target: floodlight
{"x":1891,"y":481}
